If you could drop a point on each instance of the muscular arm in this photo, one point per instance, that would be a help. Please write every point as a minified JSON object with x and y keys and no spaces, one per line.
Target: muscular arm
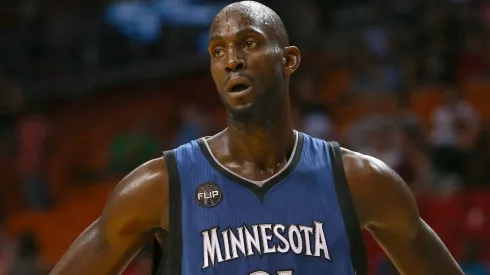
{"x":388,"y":210}
{"x":135,"y":209}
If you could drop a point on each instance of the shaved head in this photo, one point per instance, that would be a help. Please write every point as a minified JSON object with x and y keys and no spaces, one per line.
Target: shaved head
{"x":251,"y":61}
{"x":257,"y":14}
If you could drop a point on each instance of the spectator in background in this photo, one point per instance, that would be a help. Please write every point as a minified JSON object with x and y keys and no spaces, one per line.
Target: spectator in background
{"x":381,"y":146}
{"x":369,"y":125}
{"x":413,"y":164}
{"x":376,"y":38}
{"x":409,"y":72}
{"x":129,"y":149}
{"x":454,"y":124}
{"x":405,"y":116}
{"x":434,"y":61}
{"x":318,"y":124}
{"x":28,"y":259}
{"x":194,"y":125}
{"x":371,"y":76}
{"x":34,"y":137}
{"x":428,"y":28}
{"x":315,"y":120}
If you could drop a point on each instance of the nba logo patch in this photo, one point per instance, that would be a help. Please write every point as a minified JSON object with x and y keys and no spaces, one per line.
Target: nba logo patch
{"x":208,"y":194}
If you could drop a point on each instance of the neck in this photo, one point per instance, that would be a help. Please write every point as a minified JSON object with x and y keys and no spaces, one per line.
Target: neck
{"x":267,"y":143}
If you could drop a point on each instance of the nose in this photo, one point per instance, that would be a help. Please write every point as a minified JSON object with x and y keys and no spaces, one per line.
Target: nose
{"x":235,"y":63}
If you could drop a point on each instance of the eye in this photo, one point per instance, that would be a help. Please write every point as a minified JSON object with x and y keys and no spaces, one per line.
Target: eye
{"x":217,"y":52}
{"x":251,"y":44}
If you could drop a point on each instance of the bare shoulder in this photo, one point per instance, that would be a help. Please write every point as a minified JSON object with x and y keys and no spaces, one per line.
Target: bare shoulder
{"x":140,"y":201}
{"x":380,"y":194}
{"x":150,"y":176}
{"x":359,"y":166}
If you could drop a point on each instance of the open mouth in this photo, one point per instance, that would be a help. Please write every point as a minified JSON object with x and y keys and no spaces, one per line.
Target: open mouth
{"x":239,"y":88}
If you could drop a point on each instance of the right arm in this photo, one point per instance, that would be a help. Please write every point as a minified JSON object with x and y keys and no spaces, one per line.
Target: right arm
{"x":136,"y":208}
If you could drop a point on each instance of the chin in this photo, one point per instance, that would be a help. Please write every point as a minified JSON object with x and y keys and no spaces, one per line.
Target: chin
{"x":244,"y":113}
{"x":247,"y":110}
{"x":257,"y":113}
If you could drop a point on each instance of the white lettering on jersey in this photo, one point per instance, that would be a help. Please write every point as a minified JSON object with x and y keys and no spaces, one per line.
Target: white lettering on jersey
{"x":263,"y":239}
{"x":237,"y":243}
{"x":255,"y":240}
{"x":320,"y":241}
{"x":211,"y":247}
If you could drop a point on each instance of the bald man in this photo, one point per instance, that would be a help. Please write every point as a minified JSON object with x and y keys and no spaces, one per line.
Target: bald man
{"x":258,"y":198}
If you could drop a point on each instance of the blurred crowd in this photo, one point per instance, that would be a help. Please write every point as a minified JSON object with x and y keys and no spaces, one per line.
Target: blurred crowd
{"x":388,"y":48}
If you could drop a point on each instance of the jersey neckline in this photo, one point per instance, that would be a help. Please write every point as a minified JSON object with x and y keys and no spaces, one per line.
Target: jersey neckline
{"x":259,"y":188}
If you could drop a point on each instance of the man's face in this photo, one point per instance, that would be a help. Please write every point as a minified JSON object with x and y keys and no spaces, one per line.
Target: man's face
{"x":246,"y":65}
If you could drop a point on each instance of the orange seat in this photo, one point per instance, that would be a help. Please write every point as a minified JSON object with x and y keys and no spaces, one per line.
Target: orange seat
{"x":477,"y":93}
{"x":424,"y":100}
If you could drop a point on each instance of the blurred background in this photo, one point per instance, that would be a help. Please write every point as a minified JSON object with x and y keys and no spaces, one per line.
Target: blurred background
{"x":91,"y":89}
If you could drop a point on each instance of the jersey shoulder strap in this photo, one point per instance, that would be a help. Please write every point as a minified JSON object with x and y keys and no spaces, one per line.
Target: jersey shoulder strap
{"x":349,"y":214}
{"x":169,"y":262}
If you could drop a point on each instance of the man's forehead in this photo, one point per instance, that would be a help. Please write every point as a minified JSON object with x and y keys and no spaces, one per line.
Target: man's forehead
{"x":244,"y":15}
{"x":230,"y":22}
{"x":234,"y":22}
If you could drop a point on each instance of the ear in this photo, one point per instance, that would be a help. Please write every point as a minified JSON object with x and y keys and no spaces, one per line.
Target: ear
{"x":291,"y":60}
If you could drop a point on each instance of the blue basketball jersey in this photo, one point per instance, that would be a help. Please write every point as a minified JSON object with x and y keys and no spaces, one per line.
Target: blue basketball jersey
{"x":299,"y":222}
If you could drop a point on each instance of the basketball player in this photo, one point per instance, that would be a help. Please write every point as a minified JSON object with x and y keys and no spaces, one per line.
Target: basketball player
{"x":259,"y":198}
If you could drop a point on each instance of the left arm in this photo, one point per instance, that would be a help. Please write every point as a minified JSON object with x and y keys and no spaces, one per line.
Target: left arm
{"x":387,"y":208}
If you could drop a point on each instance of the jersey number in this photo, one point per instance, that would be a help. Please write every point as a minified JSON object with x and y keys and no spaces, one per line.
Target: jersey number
{"x":282,"y":272}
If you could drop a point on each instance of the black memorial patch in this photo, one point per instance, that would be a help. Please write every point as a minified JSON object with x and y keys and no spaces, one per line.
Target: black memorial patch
{"x":208,"y":194}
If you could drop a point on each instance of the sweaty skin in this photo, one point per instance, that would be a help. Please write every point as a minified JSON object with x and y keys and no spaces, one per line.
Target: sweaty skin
{"x":248,"y":41}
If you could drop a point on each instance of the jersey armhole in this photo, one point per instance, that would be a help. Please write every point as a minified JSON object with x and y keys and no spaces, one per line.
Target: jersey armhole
{"x":169,"y":262}
{"x":349,"y":214}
